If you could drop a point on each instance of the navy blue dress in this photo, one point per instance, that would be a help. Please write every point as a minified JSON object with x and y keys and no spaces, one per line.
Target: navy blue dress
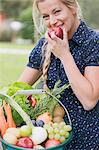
{"x":84,"y":47}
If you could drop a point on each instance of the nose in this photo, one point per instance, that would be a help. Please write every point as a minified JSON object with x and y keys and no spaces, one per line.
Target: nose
{"x":53,"y":20}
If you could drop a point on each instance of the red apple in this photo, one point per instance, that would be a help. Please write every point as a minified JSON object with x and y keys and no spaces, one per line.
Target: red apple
{"x":58,"y":32}
{"x":52,"y":143}
{"x":25,"y":142}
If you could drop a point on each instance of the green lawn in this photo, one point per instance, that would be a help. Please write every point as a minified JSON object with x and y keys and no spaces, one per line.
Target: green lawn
{"x":16,"y":46}
{"x":11,"y":67}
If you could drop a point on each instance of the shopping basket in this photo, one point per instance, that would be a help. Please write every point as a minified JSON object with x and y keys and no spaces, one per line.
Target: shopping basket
{"x":62,"y":146}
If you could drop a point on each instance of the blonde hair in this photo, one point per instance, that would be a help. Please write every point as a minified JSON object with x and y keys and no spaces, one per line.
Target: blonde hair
{"x":38,"y":20}
{"x":40,"y":27}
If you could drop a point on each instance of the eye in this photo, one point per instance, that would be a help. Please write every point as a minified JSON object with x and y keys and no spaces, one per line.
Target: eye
{"x":46,"y":17}
{"x":57,"y":11}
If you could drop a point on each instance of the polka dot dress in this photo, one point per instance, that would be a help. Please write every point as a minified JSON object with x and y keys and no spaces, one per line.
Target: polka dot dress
{"x":84,"y":47}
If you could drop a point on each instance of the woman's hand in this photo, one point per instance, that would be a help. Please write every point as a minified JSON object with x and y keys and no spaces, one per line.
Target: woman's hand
{"x":58,"y":46}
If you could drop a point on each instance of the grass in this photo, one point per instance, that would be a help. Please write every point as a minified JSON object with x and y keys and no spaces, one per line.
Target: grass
{"x":11,"y":67}
{"x":16,"y":46}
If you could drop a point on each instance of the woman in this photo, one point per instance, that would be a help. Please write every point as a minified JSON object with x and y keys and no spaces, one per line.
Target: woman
{"x":73,"y":59}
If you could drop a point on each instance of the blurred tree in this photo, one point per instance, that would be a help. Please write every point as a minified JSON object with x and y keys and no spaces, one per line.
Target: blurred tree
{"x":90,"y":11}
{"x":22,"y":9}
{"x":25,"y":17}
{"x":13,"y":8}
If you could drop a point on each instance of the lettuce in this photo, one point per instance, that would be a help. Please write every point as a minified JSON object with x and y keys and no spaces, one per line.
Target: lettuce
{"x":21,"y":100}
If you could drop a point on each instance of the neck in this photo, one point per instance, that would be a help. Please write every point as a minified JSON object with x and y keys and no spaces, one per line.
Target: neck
{"x":74,"y":28}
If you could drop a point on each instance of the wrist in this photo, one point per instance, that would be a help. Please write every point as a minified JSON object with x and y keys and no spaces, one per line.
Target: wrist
{"x":66,"y":57}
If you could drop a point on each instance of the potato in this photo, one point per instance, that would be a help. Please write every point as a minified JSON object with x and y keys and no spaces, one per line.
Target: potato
{"x":59,"y":111}
{"x":57,"y":119}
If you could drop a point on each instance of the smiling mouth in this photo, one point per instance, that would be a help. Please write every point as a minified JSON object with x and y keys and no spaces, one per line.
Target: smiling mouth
{"x":61,"y":26}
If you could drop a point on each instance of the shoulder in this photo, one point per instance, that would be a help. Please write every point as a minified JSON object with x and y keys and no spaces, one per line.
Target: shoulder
{"x":35,"y":56}
{"x":91,"y":44}
{"x":40,"y":42}
{"x":92,"y":52}
{"x":38,"y":46}
{"x":93,"y":38}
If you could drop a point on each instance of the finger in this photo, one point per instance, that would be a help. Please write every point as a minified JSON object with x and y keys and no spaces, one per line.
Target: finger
{"x":54,"y":37}
{"x":65,"y":37}
{"x":49,"y":39}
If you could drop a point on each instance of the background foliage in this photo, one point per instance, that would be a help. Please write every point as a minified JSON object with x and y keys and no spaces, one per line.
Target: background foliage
{"x":25,"y":17}
{"x":22,"y":10}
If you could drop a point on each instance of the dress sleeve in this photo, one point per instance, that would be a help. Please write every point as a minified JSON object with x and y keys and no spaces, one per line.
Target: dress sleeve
{"x":93,"y":57}
{"x":35,"y":57}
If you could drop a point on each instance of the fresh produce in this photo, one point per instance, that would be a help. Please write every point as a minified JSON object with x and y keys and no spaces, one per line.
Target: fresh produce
{"x":43,"y":124}
{"x":32,"y":101}
{"x":25,"y":130}
{"x":39,"y":135}
{"x":21,"y":100}
{"x":10,"y":138}
{"x":45,"y":103}
{"x":46,"y":117}
{"x":34,"y":122}
{"x":67,"y":128}
{"x":17,"y":107}
{"x":39,"y":123}
{"x":57,"y":119}
{"x":25,"y":142}
{"x":16,"y":86}
{"x":58,"y":32}
{"x":58,"y":131}
{"x":52,"y":143}
{"x":8,"y":112}
{"x":3,"y":123}
{"x":59,"y":111}
{"x":14,"y":131}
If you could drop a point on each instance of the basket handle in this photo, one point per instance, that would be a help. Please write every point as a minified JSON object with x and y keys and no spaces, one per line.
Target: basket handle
{"x":42,"y":91}
{"x":29,"y":92}
{"x":62,"y":106}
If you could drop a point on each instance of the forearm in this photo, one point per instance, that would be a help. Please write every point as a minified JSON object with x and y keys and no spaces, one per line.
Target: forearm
{"x":30,"y":75}
{"x":81,"y":86}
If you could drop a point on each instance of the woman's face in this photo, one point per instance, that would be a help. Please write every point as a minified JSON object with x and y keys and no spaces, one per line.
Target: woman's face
{"x":55,"y":14}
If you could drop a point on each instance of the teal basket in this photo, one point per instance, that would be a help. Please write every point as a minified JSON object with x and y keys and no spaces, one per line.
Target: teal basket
{"x":62,"y":146}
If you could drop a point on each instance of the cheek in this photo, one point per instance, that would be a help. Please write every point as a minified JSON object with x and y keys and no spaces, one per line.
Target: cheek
{"x":46,"y":23}
{"x":63,"y":17}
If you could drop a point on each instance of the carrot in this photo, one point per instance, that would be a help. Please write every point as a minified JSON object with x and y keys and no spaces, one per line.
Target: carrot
{"x":3,"y":123}
{"x":8,"y":111}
